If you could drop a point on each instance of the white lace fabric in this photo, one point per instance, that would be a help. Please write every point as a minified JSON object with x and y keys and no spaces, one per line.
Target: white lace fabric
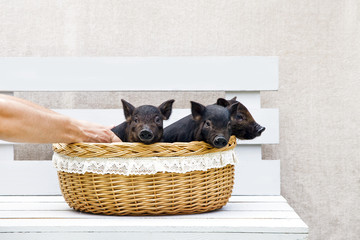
{"x":144,"y":165}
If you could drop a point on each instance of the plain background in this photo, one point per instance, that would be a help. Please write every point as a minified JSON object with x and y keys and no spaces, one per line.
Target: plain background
{"x":318,"y":42}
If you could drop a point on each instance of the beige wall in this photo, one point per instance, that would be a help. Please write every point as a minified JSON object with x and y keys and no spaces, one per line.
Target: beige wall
{"x":318,"y":42}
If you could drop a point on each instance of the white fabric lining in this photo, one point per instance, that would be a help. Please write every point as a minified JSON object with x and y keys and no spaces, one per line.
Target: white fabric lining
{"x":146,"y":165}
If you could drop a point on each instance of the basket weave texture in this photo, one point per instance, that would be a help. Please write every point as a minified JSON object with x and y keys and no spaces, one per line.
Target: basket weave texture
{"x":163,"y":193}
{"x":127,"y":149}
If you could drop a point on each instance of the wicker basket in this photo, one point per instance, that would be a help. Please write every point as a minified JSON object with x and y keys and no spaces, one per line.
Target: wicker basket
{"x":164,"y":192}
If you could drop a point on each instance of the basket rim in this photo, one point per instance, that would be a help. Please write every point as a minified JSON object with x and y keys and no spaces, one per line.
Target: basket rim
{"x":131,"y":149}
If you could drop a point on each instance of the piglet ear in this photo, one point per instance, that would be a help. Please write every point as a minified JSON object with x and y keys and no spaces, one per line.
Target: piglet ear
{"x":128,"y":109}
{"x":166,"y":108}
{"x":222,"y":102}
{"x":233,"y":100}
{"x":197,"y":110}
{"x":233,"y":109}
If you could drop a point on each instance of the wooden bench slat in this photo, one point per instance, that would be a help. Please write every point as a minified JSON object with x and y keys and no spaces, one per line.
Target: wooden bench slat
{"x":257,"y":199}
{"x":31,"y":199}
{"x":153,"y":225}
{"x":154,"y":236}
{"x":56,"y":199}
{"x":213,"y":215}
{"x":61,"y":206}
{"x":6,"y":151}
{"x":231,"y":73}
{"x":253,"y":178}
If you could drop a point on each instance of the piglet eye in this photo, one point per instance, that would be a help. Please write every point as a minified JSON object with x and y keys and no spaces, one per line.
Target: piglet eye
{"x":157,"y":119}
{"x":239,"y":117}
{"x":207,"y":123}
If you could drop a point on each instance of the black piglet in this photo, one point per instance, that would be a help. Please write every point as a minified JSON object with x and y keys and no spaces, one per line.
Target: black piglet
{"x":243,"y":125}
{"x":143,"y":124}
{"x":210,"y":124}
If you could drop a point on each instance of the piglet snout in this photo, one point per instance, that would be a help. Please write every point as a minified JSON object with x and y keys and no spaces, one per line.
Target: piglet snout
{"x":220,"y":142}
{"x":146,"y":135}
{"x":259,"y":130}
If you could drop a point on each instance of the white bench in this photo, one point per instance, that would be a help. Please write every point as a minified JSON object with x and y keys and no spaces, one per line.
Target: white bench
{"x":30,"y":205}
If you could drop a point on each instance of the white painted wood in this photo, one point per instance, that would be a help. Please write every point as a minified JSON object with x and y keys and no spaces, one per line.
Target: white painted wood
{"x":6,"y":152}
{"x":62,"y":206}
{"x":257,"y":199}
{"x":152,"y":236}
{"x":259,"y":206}
{"x":28,"y":178}
{"x":257,"y":178}
{"x":49,"y":206}
{"x":29,"y":199}
{"x":245,"y":217}
{"x":249,"y":99}
{"x":248,"y":152}
{"x":254,"y":176}
{"x":57,"y":199}
{"x":138,"y":73}
{"x":126,"y":224}
{"x":34,"y":214}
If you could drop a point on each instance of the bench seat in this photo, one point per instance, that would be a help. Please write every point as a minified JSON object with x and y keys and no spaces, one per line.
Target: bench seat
{"x":49,"y":217}
{"x":244,"y":217}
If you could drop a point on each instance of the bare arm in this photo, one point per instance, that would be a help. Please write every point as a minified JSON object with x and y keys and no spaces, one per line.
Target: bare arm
{"x":23,"y":121}
{"x":28,"y":103}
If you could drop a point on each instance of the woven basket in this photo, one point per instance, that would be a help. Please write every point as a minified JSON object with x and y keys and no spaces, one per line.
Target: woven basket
{"x":160,"y":193}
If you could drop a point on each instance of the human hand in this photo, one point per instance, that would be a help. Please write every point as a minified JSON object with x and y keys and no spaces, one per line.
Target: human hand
{"x":98,"y":133}
{"x":114,"y":138}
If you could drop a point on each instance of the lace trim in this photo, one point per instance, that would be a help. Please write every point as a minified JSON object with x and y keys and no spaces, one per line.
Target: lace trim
{"x":146,"y":165}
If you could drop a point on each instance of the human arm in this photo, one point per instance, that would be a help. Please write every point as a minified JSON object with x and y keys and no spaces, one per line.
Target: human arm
{"x":23,"y":121}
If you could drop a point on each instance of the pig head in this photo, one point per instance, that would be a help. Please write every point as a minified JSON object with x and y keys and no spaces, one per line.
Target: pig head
{"x":143,"y":124}
{"x":243,"y":125}
{"x":213,"y":123}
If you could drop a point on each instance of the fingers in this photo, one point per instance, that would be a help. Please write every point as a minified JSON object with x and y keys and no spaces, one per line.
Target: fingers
{"x":104,"y":136}
{"x":115,"y":138}
{"x":100,"y":134}
{"x":108,"y":135}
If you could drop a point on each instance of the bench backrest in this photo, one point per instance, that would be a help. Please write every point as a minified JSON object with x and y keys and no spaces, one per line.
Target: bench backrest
{"x":243,"y":77}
